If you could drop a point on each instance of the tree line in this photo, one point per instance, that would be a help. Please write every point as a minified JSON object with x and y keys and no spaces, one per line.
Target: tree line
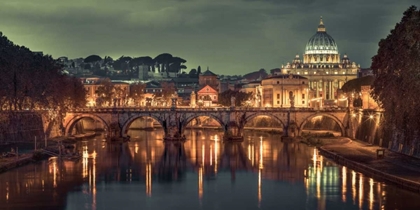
{"x":397,"y":79}
{"x":31,"y":81}
{"x":164,"y":63}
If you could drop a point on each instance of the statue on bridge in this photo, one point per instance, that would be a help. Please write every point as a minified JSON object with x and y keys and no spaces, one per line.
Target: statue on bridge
{"x":232,"y":101}
{"x":292,"y":99}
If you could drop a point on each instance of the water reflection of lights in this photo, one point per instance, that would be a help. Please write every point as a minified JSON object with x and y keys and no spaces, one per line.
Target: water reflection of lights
{"x":93,"y":180}
{"x":216,"y":152}
{"x":353,"y":186}
{"x":149,"y":179}
{"x":202,"y":154}
{"x":261,"y":164}
{"x":200,"y":183}
{"x":344,"y":183}
{"x":371,"y":193}
{"x":7,"y":191}
{"x":259,"y":188}
{"x":211,"y":155}
{"x":53,"y":170}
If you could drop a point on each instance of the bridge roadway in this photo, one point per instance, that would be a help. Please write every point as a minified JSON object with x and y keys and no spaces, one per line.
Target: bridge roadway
{"x":174,"y":119}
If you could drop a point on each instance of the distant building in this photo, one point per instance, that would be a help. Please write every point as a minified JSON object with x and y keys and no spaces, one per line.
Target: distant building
{"x":322,"y":65}
{"x":143,"y":72}
{"x":208,"y":78}
{"x":278,"y":90}
{"x":364,"y":72}
{"x":256,"y":89}
{"x":153,"y":87}
{"x":207,"y":96}
{"x":185,"y":86}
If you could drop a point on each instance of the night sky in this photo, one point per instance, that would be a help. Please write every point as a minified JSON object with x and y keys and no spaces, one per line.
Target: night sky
{"x":229,"y":36}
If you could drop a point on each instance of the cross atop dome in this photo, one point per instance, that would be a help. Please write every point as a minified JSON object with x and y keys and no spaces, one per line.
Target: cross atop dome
{"x":321,"y":27}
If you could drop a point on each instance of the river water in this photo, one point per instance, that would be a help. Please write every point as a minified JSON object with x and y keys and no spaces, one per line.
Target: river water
{"x":203,"y":173}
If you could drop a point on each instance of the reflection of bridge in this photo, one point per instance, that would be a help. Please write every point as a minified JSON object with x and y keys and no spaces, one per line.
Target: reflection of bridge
{"x":174,"y":120}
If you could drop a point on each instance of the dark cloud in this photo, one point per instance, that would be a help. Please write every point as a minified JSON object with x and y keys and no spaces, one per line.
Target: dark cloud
{"x":231,"y":37}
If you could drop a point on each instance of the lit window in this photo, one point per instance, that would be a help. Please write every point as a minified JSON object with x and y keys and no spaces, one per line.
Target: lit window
{"x":335,"y":72}
{"x":298,"y":72}
{"x":306,"y":72}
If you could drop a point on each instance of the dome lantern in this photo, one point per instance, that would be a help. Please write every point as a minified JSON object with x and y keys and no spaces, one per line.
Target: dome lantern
{"x":321,"y":27}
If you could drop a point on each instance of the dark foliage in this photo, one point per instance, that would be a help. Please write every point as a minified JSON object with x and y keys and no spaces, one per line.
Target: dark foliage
{"x":397,"y":82}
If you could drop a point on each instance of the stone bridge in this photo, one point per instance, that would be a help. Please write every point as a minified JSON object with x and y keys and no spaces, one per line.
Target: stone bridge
{"x":174,"y":120}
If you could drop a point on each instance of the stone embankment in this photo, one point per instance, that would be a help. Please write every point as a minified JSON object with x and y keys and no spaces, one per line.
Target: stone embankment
{"x":13,"y":162}
{"x":396,"y":168}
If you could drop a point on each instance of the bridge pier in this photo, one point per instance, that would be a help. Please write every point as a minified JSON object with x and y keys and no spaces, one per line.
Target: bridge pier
{"x":173,"y":124}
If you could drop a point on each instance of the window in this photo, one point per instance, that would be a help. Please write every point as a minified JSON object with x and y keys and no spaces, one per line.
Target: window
{"x":278,"y":82}
{"x":278,"y":95}
{"x":303,"y":95}
{"x":214,"y":97}
{"x":303,"y":102}
{"x":278,"y":102}
{"x":303,"y":82}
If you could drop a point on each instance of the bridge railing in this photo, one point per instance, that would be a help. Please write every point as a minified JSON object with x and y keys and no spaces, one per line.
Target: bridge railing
{"x":198,"y":109}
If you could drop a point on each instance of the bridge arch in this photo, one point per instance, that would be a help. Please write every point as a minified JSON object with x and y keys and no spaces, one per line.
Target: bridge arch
{"x":254,"y":115}
{"x":130,"y":120}
{"x":69,"y":126}
{"x":195,"y":116}
{"x":334,"y":118}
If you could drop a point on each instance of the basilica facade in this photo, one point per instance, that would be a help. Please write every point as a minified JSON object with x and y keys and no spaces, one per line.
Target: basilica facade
{"x":324,"y":68}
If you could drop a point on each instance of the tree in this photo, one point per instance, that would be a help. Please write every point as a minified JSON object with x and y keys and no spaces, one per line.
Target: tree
{"x":105,"y":93}
{"x":137,"y":92}
{"x":198,"y":71}
{"x":31,"y":81}
{"x":122,"y":64}
{"x":162,"y":62}
{"x":193,"y":73}
{"x":240,"y":97}
{"x":168,"y":90}
{"x":176,"y":64}
{"x":397,"y":81}
{"x":92,"y":59}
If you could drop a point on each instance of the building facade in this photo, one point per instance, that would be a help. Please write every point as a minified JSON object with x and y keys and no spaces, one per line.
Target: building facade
{"x":322,"y":65}
{"x":285,"y":91}
{"x":208,"y":78}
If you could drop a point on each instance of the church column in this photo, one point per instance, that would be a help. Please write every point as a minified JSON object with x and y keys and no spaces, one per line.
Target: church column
{"x":324,"y":89}
{"x":330,"y":89}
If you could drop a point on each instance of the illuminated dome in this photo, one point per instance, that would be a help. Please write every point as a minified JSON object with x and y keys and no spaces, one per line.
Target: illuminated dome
{"x":321,"y":42}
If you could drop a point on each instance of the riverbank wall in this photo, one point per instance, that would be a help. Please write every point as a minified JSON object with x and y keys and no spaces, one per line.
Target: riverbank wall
{"x":17,"y":127}
{"x":11,"y":163}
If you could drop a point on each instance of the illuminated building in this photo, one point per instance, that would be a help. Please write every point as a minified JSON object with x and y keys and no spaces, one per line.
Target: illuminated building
{"x":277,"y":91}
{"x":323,"y":66}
